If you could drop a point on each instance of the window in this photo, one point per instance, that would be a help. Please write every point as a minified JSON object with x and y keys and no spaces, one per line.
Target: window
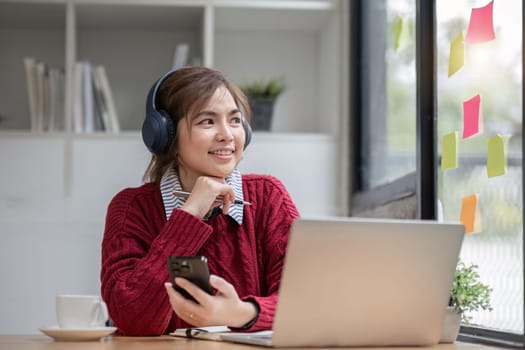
{"x":386,"y":89}
{"x":389,"y":134}
{"x":493,"y":70}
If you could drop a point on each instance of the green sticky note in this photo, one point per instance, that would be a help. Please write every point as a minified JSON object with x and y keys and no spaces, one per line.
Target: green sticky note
{"x":497,"y":155}
{"x":403,"y":36}
{"x":449,"y":154}
{"x":456,"y":59}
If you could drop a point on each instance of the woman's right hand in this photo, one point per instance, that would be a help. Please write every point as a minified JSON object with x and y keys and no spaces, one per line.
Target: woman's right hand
{"x":204,"y":196}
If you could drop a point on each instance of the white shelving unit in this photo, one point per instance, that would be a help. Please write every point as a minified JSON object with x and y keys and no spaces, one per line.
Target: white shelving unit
{"x":26,"y":29}
{"x":55,"y":187}
{"x":135,"y":40}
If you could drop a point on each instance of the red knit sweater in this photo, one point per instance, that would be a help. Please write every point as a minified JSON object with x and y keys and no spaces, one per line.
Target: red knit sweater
{"x":138,"y":240}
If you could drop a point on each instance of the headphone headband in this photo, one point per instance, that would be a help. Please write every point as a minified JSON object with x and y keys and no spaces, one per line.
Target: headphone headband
{"x":151,"y":104}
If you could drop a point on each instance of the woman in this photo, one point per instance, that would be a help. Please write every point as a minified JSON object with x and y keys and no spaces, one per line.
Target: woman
{"x":197,"y":133}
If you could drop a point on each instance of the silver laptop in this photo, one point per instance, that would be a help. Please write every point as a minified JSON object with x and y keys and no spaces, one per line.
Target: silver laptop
{"x":363,"y":282}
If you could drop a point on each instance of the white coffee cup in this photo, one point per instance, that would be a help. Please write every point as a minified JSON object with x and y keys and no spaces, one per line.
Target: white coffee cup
{"x":81,"y":311}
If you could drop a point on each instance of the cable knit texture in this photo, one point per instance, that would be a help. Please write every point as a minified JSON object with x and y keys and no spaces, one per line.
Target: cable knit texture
{"x":138,"y":240}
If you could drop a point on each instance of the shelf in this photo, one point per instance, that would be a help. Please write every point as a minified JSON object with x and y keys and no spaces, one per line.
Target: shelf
{"x":136,"y":45}
{"x":35,"y":30}
{"x":32,"y":16}
{"x":302,"y":46}
{"x":138,"y":17}
{"x":78,"y":174}
{"x":135,"y":41}
{"x":278,"y":4}
{"x":271,"y":19}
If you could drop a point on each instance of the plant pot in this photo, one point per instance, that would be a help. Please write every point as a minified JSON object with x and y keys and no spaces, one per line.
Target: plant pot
{"x":262,"y":112}
{"x":451,"y":325}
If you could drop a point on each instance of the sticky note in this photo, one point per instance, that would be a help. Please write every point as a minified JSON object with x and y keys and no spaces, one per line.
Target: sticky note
{"x":456,"y":59}
{"x":472,"y":117}
{"x":403,"y":36}
{"x":470,"y":214}
{"x":497,"y":155}
{"x":449,"y":153}
{"x":480,"y":27}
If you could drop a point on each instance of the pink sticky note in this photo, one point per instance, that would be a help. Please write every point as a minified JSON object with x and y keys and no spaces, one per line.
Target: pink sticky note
{"x":472,"y":117}
{"x":480,"y":27}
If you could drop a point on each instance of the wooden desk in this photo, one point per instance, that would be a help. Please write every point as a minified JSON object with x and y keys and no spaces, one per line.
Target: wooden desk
{"x":41,"y":342}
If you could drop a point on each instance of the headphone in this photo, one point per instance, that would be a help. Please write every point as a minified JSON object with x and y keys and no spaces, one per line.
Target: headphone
{"x":158,"y":131}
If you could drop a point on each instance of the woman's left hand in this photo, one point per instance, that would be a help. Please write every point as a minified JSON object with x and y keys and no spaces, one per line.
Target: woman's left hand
{"x":223,"y":308}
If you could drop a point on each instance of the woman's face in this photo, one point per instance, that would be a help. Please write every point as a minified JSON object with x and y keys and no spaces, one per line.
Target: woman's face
{"x":213,"y":143}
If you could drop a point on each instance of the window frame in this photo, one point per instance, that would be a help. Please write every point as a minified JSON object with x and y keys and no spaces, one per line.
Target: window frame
{"x":425,"y":186}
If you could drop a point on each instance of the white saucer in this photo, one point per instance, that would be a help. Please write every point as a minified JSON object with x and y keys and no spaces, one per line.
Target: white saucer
{"x":62,"y":334}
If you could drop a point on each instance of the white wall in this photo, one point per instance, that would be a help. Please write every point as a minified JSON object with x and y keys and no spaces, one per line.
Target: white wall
{"x":53,"y":196}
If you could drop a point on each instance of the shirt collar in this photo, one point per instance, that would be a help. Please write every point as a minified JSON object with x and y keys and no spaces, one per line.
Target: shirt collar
{"x":170,"y":182}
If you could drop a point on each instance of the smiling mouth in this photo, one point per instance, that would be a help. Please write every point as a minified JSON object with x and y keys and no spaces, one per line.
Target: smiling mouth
{"x":221,"y":152}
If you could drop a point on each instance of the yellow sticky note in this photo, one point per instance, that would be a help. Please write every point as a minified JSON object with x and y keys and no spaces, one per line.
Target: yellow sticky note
{"x":470,"y":214}
{"x":497,"y":155}
{"x":403,"y":36}
{"x":456,"y":59}
{"x":449,"y":153}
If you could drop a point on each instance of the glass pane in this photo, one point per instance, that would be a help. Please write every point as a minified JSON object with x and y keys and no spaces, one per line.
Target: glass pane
{"x":389,"y":91}
{"x":491,"y":69}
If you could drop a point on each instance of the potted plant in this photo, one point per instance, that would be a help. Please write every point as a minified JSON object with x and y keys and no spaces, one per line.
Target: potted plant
{"x":262,"y":95}
{"x":468,"y":294}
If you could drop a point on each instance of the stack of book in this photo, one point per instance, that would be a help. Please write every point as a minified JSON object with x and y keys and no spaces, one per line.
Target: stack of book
{"x":93,"y":105}
{"x":180,"y":55}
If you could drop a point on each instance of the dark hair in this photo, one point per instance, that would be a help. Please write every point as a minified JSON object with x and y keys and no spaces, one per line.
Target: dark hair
{"x":182,"y":93}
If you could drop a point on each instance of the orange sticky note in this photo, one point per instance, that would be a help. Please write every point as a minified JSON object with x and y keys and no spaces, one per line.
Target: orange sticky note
{"x":470,"y":215}
{"x":403,"y":36}
{"x":480,"y":27}
{"x":497,"y":155}
{"x":472,"y":117}
{"x":456,"y":59}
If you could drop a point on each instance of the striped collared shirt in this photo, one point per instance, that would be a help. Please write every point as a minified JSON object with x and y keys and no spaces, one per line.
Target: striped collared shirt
{"x":170,"y":182}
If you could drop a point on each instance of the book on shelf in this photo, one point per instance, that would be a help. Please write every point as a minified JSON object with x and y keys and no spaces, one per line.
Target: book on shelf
{"x":45,"y":88}
{"x":78,"y":101}
{"x":56,"y":120}
{"x":88,"y":98}
{"x":180,"y":55}
{"x":56,"y":99}
{"x":42,"y":94}
{"x":45,"y":96}
{"x":93,"y":105}
{"x":100,"y":106}
{"x":112,"y":124}
{"x":32,"y":90}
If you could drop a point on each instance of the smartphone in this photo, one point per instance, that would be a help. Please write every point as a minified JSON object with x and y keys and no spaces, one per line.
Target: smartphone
{"x":194,"y":269}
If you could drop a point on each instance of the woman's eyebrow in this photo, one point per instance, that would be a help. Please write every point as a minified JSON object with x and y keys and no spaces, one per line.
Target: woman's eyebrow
{"x":213,"y":113}
{"x":206,"y":112}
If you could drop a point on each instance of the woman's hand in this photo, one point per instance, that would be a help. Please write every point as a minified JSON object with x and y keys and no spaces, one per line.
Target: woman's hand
{"x":223,"y":308}
{"x":204,"y":196}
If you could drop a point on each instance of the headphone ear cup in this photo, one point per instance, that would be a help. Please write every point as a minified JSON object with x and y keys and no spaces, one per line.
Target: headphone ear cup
{"x":247,"y":132}
{"x":158,"y":131}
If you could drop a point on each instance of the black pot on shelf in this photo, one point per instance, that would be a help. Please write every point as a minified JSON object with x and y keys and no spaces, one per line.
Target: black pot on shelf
{"x":262,"y":112}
